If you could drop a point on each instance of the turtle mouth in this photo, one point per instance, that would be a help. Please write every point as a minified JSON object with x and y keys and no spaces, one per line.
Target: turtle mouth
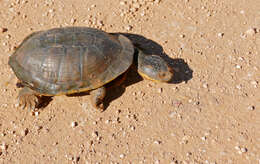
{"x":166,"y":76}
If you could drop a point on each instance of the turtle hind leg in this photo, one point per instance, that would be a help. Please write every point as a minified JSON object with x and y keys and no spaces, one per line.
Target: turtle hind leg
{"x":27,"y":98}
{"x":118,"y":82}
{"x":97,"y":97}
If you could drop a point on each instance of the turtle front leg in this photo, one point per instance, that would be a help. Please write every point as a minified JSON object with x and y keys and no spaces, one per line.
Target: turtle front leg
{"x":27,"y":98}
{"x":97,"y":97}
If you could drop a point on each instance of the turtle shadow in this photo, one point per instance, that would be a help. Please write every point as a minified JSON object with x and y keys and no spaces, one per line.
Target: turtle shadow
{"x":182,"y":71}
{"x":44,"y":101}
{"x":115,"y":89}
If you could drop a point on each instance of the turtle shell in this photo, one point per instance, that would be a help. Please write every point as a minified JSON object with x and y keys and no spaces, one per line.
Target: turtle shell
{"x":70,"y":60}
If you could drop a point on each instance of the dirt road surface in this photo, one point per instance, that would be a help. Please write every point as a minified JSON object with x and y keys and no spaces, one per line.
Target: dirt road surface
{"x":209,"y":114}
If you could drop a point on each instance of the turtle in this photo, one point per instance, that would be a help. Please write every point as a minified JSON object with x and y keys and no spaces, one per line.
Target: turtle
{"x":68,"y":60}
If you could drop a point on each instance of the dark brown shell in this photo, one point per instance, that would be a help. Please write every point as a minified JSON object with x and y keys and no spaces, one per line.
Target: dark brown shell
{"x":69,"y":60}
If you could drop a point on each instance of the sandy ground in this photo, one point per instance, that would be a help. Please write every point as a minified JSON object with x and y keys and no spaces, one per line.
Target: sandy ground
{"x":209,"y":113}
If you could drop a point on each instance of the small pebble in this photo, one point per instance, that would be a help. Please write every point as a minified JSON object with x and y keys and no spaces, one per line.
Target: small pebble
{"x":188,"y":154}
{"x":2,"y":30}
{"x":239,"y":86}
{"x":254,"y":82}
{"x":76,"y":159}
{"x":74,"y":124}
{"x":203,"y":138}
{"x":33,"y":113}
{"x":8,"y":36}
{"x":51,"y":10}
{"x":100,"y":23}
{"x":122,"y":14}
{"x":107,"y":121}
{"x":46,"y":130}
{"x":157,"y":142}
{"x":205,"y":85}
{"x":238,"y":66}
{"x":36,"y":113}
{"x":132,"y":127}
{"x":184,"y":140}
{"x":241,"y":58}
{"x":220,"y":35}
{"x":243,"y":150}
{"x":128,"y":27}
{"x":172,"y":114}
{"x":149,"y":85}
{"x":251,"y":107}
{"x":121,"y":155}
{"x":237,"y":147}
{"x":38,"y":127}
{"x":251,"y":31}
{"x":182,"y":36}
{"x":133,"y":9}
{"x":123,"y":3}
{"x":69,"y":157}
{"x":242,"y":35}
{"x":160,"y":90}
{"x":142,"y":13}
{"x":24,"y":132}
{"x":73,"y":20}
{"x":95,"y":134}
{"x":3,"y":146}
{"x":196,"y":103}
{"x":229,"y":138}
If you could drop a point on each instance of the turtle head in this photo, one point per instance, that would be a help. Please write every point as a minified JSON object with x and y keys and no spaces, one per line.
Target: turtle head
{"x":154,"y":68}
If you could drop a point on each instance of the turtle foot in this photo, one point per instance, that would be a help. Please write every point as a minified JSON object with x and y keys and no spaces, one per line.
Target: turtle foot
{"x":27,"y":99}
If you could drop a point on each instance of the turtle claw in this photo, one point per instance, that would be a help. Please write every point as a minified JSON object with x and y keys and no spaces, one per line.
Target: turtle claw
{"x":34,"y":103}
{"x":99,"y":107}
{"x":26,"y":99}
